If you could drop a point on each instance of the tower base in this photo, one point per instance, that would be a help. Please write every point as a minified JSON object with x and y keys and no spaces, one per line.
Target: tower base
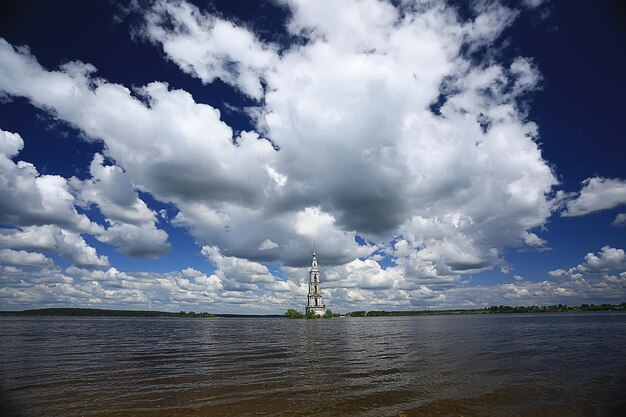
{"x":319,"y":310}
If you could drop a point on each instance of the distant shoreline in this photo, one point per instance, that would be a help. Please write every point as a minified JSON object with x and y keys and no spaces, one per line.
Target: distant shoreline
{"x":95,"y":312}
{"x":502,"y":309}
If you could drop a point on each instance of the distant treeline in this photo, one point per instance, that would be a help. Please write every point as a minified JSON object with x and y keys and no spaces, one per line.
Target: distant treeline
{"x":96,"y":312}
{"x":502,"y":309}
{"x":291,"y":313}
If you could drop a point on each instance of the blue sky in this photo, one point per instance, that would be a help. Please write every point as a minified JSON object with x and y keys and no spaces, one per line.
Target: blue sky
{"x":177,"y":155}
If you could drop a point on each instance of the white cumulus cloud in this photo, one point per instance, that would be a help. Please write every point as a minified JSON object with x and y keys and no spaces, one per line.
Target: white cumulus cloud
{"x":29,"y":198}
{"x":209,"y":47}
{"x":68,"y":245}
{"x":597,"y":194}
{"x":376,"y":124}
{"x":620,"y":220}
{"x":268,"y":244}
{"x":23,"y":258}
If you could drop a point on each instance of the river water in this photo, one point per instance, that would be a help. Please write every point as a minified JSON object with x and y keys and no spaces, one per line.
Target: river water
{"x":474,"y":365}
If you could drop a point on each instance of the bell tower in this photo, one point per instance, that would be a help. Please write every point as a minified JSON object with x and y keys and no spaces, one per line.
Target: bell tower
{"x":315,"y":303}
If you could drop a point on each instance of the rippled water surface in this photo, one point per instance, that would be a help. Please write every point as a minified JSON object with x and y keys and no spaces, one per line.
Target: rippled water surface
{"x":487,"y":365}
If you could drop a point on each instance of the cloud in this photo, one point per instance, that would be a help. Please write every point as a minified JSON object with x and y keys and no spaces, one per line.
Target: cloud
{"x":557,"y":273}
{"x":29,"y":198}
{"x":620,"y":220}
{"x":235,"y":273}
{"x":378,"y":126}
{"x":111,"y":189}
{"x":42,"y":206}
{"x":609,"y":259}
{"x":210,"y":283}
{"x":365,"y":274}
{"x":362,"y":140}
{"x":144,"y":241}
{"x":534,"y":3}
{"x":596,"y":194}
{"x":10,"y":143}
{"x":188,"y":289}
{"x":24,"y":258}
{"x":242,"y":286}
{"x":132,"y":224}
{"x":208,"y":47}
{"x":68,"y":245}
{"x":268,"y":244}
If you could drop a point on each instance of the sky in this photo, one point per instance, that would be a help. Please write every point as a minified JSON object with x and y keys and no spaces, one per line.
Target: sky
{"x":177,"y":155}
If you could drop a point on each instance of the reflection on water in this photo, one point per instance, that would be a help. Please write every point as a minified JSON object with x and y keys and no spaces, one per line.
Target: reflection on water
{"x":497,"y":365}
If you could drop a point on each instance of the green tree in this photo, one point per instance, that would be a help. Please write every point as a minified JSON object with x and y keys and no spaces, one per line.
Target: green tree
{"x":292,"y":313}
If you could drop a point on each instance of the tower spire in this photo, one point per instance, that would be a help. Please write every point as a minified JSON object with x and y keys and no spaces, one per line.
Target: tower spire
{"x":315,"y":303}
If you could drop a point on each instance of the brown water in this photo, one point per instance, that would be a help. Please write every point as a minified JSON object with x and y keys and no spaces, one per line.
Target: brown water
{"x":489,"y":365}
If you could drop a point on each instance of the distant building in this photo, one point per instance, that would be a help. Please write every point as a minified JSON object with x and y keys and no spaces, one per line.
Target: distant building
{"x":315,"y":303}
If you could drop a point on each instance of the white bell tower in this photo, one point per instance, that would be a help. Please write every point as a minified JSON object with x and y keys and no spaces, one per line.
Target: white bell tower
{"x":315,"y":303}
